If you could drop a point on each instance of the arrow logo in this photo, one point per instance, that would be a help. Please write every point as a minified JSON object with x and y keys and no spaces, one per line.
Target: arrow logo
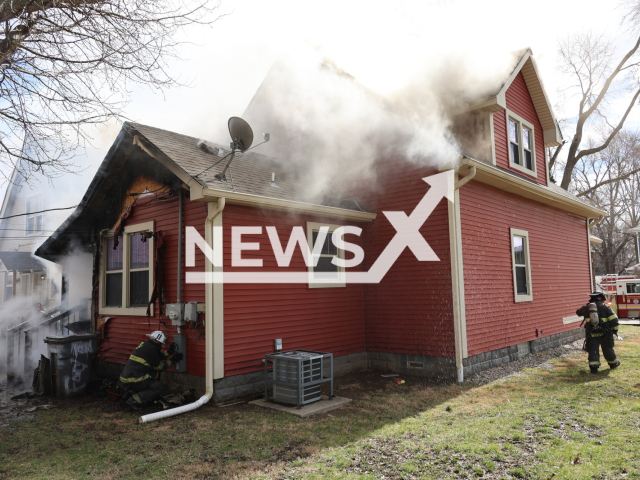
{"x":407,"y":236}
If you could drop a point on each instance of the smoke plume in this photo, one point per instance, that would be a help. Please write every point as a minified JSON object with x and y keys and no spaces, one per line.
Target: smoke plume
{"x":329,"y":130}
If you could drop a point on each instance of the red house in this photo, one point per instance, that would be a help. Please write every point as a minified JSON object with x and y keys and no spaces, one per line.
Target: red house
{"x":512,"y":248}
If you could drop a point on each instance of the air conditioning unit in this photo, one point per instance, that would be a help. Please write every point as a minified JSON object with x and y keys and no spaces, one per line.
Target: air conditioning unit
{"x":297,"y":376}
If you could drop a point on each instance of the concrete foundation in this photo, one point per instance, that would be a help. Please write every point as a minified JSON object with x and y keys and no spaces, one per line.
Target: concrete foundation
{"x":323,"y":406}
{"x":437,"y":368}
{"x":495,"y":358}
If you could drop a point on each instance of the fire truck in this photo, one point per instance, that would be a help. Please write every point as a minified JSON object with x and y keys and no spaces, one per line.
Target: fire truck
{"x":623,"y":294}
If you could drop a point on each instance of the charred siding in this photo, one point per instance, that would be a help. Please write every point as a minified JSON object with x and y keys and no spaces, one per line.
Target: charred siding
{"x":124,"y":333}
{"x":559,"y":267}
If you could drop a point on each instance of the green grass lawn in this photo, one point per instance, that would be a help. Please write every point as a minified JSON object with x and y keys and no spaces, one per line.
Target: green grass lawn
{"x":561,"y":423}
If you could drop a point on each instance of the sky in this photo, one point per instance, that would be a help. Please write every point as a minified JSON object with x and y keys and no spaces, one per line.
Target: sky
{"x":384,"y":45}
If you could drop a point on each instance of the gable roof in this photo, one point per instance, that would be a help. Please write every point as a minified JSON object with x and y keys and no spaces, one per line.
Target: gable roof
{"x":179,"y":156}
{"x":248,"y":178}
{"x":498,"y":101}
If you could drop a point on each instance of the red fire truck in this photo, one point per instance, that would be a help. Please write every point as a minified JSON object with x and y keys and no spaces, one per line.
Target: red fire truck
{"x":623,"y":294}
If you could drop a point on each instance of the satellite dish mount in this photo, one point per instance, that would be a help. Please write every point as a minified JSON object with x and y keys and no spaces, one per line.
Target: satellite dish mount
{"x":241,"y":139}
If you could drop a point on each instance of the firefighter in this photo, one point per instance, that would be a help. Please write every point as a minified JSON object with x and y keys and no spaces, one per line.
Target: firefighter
{"x":138,"y":379}
{"x":600,"y":331}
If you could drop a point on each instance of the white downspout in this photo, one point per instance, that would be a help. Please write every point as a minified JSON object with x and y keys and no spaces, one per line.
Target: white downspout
{"x":214,"y":211}
{"x":460,"y":324}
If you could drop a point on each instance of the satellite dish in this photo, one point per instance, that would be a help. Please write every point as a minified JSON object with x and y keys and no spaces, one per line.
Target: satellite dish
{"x":241,"y":133}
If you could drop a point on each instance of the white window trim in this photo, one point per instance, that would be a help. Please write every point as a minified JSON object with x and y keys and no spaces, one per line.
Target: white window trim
{"x":26,"y":217}
{"x":522,"y":122}
{"x":125,"y":310}
{"x":527,"y":256}
{"x":311,"y":227}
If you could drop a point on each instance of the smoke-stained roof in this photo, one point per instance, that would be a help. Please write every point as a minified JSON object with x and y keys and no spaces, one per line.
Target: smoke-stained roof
{"x":251,"y":172}
{"x":173,"y":158}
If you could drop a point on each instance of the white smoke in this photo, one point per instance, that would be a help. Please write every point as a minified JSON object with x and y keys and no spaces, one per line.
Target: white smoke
{"x":16,"y":315}
{"x":77,"y":268}
{"x":330,"y":130}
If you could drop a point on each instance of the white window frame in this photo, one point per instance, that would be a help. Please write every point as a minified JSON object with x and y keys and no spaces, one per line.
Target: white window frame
{"x":34,"y":216}
{"x":314,"y":227}
{"x":126,"y":309}
{"x":514,"y":232}
{"x":532,"y":139}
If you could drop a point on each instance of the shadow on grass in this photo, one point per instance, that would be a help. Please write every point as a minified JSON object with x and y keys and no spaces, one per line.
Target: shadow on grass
{"x":212,"y":441}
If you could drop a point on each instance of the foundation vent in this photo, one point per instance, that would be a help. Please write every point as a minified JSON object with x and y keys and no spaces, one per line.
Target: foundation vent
{"x":415,"y":365}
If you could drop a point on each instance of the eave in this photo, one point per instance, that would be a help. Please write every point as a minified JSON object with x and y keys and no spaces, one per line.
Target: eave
{"x":490,"y":175}
{"x":498,"y":102}
{"x":199,"y":194}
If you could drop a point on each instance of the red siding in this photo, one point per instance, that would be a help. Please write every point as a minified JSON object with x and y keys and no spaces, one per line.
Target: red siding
{"x":124,"y":333}
{"x":519,"y":102}
{"x":559,"y":267}
{"x":410,"y":311}
{"x":325,"y":319}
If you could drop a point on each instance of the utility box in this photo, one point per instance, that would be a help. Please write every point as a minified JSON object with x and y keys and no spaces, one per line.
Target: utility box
{"x":297,"y":376}
{"x":191,"y":312}
{"x":71,"y":363}
{"x":175,"y":312}
{"x":181,"y":341}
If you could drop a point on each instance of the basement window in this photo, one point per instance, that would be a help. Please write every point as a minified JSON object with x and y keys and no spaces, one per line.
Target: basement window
{"x":325,"y":273}
{"x":127,"y":272}
{"x":521,"y":264}
{"x":34,"y":218}
{"x":522,"y":152}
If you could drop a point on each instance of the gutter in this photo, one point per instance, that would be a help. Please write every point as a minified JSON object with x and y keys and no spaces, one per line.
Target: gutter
{"x":214,"y":212}
{"x":491,"y":175}
{"x":236,"y":198}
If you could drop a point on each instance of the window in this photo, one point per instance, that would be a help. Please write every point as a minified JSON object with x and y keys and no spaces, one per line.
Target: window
{"x":633,"y":287}
{"x":521,"y":144}
{"x":113,"y":280}
{"x":25,"y":284}
{"x":521,"y":265}
{"x":325,"y":273}
{"x":127,"y":272}
{"x":34,"y":220}
{"x":8,"y":286}
{"x":139,"y":271}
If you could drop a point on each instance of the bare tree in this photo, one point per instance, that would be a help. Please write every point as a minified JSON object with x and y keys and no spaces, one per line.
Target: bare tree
{"x":610,"y":180}
{"x":601,"y":77}
{"x":66,"y":64}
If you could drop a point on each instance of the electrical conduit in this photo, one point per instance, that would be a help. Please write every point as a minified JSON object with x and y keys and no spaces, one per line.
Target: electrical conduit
{"x":208,"y":226}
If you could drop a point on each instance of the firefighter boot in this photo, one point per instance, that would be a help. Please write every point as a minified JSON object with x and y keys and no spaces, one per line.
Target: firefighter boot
{"x":594,"y":370}
{"x":133,"y":404}
{"x":615,"y":365}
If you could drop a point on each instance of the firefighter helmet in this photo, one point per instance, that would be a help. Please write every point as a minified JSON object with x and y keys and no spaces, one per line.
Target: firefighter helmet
{"x":158,"y":335}
{"x":597,"y":294}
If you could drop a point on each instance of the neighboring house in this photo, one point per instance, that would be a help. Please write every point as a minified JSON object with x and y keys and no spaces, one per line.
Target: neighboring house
{"x":513,"y":253}
{"x":22,"y":228}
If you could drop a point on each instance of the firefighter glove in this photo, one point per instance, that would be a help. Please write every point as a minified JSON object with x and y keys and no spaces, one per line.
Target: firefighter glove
{"x":172,"y":348}
{"x":177,"y":357}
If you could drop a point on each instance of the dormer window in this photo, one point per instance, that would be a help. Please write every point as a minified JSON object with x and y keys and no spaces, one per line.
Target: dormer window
{"x":522,"y":155}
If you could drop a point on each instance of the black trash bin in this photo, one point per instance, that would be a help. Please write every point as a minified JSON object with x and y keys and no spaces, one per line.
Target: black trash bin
{"x":71,"y":363}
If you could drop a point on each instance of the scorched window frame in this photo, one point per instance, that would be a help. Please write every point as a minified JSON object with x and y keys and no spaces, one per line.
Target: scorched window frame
{"x":126,"y":308}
